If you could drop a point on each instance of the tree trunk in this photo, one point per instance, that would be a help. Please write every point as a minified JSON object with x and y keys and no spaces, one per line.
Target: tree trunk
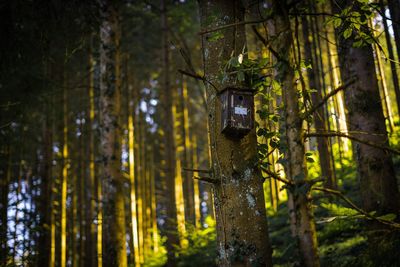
{"x":64,"y":177}
{"x":242,"y":229}
{"x":5,"y":173}
{"x":296,"y":171}
{"x":44,"y":206}
{"x":319,"y":118}
{"x":89,"y":195}
{"x":114,"y":249}
{"x":169,"y":152}
{"x":366,"y":121}
{"x":131,"y":150}
{"x":393,"y":67}
{"x":394,"y":8}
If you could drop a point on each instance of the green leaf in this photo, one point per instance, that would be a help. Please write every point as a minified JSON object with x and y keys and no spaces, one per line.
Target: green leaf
{"x":214,"y":36}
{"x":240,"y":76}
{"x":276,"y":85}
{"x":347,"y":33}
{"x":388,"y":217}
{"x":337,"y":22}
{"x":326,"y":220}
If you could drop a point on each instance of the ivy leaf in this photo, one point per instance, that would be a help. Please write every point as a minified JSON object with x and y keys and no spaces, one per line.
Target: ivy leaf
{"x":240,"y":76}
{"x":388,"y":217}
{"x":326,"y":220}
{"x":347,"y":33}
{"x":215,"y":36}
{"x":337,"y":22}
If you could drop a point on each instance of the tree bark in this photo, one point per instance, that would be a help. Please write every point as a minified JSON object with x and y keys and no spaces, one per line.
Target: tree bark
{"x":169,"y":152}
{"x":242,"y":229}
{"x":114,"y":248}
{"x":366,"y":121}
{"x":44,"y":206}
{"x":89,"y":192}
{"x":296,"y":171}
{"x":4,"y":190}
{"x":393,"y":67}
{"x":394,"y":8}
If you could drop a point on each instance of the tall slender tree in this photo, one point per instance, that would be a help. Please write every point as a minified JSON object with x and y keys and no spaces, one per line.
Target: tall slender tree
{"x":169,"y":149}
{"x":114,"y":247}
{"x":303,"y":225}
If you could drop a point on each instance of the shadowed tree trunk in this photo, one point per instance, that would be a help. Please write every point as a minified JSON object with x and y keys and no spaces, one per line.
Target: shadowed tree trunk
{"x":4,"y":190}
{"x":114,"y":247}
{"x":242,"y":229}
{"x":366,"y":121}
{"x":169,"y":139}
{"x":389,"y":45}
{"x":46,"y":184}
{"x":394,"y":8}
{"x":89,"y":192}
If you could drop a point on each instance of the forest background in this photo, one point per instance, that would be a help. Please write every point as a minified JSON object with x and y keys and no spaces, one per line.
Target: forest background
{"x":112,"y":151}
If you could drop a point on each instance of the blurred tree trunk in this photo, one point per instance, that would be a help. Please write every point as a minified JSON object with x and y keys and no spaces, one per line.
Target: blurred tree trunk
{"x":89,"y":195}
{"x":5,"y":173}
{"x":393,"y":67}
{"x":140,"y":167}
{"x":64,"y":176}
{"x":44,"y":207}
{"x":169,"y":153}
{"x":394,"y":8}
{"x":186,"y":162}
{"x":114,"y":245}
{"x":239,"y":198}
{"x":366,"y":121}
{"x":302,"y":220}
{"x":319,"y":116}
{"x":131,"y":150}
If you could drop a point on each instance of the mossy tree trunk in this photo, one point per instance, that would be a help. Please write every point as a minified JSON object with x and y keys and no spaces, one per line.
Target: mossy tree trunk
{"x":242,"y":229}
{"x":366,"y":121}
{"x":114,"y":244}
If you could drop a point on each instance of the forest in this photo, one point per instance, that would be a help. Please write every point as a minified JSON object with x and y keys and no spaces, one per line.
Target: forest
{"x":226,"y":133}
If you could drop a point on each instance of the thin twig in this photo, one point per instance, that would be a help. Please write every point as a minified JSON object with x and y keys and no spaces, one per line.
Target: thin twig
{"x":234,"y":24}
{"x":196,"y":170}
{"x":354,"y":206}
{"x":326,"y":98}
{"x":276,"y":176}
{"x":206,"y":179}
{"x":193,"y":75}
{"x":198,"y":77}
{"x":365,"y":142}
{"x":265,"y":42}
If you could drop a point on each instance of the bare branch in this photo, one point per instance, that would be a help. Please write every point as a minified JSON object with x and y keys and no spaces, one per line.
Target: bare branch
{"x":206,"y":180}
{"x":276,"y":176}
{"x":354,"y":206}
{"x":235,"y":24}
{"x":198,"y":77}
{"x":195,"y":170}
{"x":365,"y":142}
{"x":326,"y":98}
